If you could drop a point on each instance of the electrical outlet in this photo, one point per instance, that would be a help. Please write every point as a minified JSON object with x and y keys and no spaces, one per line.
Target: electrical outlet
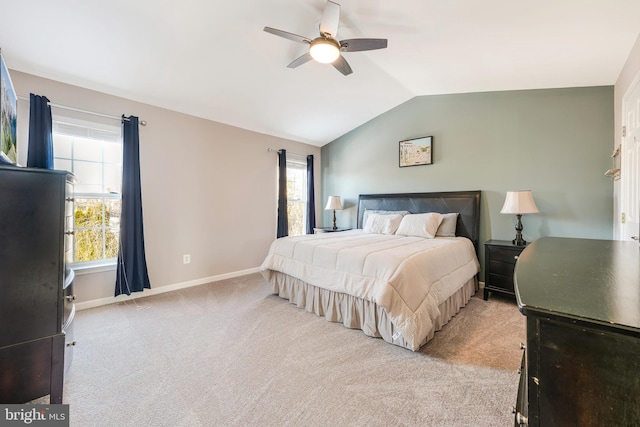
{"x":186,"y":258}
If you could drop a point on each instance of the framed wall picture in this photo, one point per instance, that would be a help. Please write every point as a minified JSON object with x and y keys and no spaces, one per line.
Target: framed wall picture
{"x":8,"y":113}
{"x":416,"y":152}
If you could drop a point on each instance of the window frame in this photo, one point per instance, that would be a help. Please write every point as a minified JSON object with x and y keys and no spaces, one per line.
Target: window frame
{"x":102,"y":133}
{"x":299,"y":163}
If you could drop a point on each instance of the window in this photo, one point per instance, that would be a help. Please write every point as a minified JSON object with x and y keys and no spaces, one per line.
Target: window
{"x":93,"y":153}
{"x":296,"y":196}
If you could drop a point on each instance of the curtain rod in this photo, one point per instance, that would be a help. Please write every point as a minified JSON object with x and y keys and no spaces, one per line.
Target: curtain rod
{"x":288,"y":152}
{"x":78,"y":110}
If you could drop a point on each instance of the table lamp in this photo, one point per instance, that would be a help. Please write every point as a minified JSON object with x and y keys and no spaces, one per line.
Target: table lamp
{"x":334,"y":204}
{"x":519,"y":203}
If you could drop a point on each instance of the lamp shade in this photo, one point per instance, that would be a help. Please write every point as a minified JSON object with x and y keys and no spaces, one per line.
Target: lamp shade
{"x":333,"y":203}
{"x":519,"y":202}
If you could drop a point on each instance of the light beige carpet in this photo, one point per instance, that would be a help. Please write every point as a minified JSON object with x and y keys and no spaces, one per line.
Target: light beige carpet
{"x":230,"y":354}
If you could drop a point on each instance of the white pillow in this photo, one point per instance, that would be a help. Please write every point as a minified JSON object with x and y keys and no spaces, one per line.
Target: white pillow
{"x":447,"y":227}
{"x":382,"y":224}
{"x":420,"y":225}
{"x":367,"y":212}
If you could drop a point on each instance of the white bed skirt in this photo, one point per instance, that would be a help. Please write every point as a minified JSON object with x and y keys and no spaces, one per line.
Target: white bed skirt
{"x":356,"y":313}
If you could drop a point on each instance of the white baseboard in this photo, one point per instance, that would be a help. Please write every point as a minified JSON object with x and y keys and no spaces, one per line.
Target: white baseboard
{"x":168,"y":288}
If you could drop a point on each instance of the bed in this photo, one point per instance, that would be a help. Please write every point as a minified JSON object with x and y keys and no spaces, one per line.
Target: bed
{"x":399,"y":284}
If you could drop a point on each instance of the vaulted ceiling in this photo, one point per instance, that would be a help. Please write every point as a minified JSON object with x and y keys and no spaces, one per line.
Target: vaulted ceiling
{"x":212,"y":59}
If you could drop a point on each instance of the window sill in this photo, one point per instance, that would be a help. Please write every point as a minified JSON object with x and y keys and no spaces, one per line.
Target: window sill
{"x":94,"y":268}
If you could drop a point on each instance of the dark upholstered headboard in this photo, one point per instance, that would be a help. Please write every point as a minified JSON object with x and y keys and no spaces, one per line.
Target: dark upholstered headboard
{"x":466,"y":203}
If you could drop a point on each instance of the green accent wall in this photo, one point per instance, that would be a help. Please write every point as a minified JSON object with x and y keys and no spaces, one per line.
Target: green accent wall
{"x":555,"y":142}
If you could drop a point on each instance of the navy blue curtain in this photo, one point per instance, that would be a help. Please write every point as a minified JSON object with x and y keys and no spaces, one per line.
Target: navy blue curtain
{"x":40,"y":148}
{"x":132,"y":275}
{"x":311,"y":200}
{"x":283,"y":222}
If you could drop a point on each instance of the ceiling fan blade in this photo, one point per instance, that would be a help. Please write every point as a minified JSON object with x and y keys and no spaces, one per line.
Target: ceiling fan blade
{"x":342,"y":65}
{"x":358,"y":45}
{"x":330,"y":19}
{"x":300,"y":60}
{"x":288,"y":36}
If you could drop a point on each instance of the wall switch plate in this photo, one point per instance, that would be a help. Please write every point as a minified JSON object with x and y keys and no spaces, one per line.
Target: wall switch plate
{"x":186,"y":258}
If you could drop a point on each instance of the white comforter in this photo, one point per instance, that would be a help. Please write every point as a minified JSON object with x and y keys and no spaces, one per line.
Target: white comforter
{"x":407,"y":276}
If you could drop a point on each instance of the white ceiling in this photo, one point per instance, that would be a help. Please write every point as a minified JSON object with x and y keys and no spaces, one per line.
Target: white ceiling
{"x":211,"y":58}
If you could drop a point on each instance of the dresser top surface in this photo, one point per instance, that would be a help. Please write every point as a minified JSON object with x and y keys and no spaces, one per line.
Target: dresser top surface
{"x":591,"y":280}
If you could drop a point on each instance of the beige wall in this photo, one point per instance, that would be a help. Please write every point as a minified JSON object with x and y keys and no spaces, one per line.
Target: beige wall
{"x":209,"y":189}
{"x":629,"y":75}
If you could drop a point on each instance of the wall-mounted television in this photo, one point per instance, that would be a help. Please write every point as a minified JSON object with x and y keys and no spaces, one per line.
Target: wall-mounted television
{"x":8,"y":116}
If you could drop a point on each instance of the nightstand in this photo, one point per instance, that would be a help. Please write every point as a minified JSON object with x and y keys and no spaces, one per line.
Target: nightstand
{"x":500,"y":258}
{"x":328,"y":230}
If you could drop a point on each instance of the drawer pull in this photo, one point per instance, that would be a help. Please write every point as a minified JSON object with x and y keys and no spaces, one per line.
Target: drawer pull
{"x":71,"y":344}
{"x":516,"y":257}
{"x":71,"y":297}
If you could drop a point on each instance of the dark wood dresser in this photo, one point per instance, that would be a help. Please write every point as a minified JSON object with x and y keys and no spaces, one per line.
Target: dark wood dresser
{"x":36,"y":284}
{"x":582,"y":356}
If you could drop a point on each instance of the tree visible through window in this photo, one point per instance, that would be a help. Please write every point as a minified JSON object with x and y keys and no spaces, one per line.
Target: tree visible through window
{"x":296,"y":196}
{"x":93,"y":153}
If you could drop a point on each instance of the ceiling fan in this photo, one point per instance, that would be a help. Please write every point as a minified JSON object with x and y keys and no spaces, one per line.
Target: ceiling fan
{"x":327,"y":49}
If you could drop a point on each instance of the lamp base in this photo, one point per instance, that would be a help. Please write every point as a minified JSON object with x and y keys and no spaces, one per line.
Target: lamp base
{"x":519,"y":241}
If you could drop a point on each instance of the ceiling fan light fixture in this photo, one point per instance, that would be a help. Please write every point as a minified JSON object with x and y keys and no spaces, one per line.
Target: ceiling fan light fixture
{"x":324,"y":50}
